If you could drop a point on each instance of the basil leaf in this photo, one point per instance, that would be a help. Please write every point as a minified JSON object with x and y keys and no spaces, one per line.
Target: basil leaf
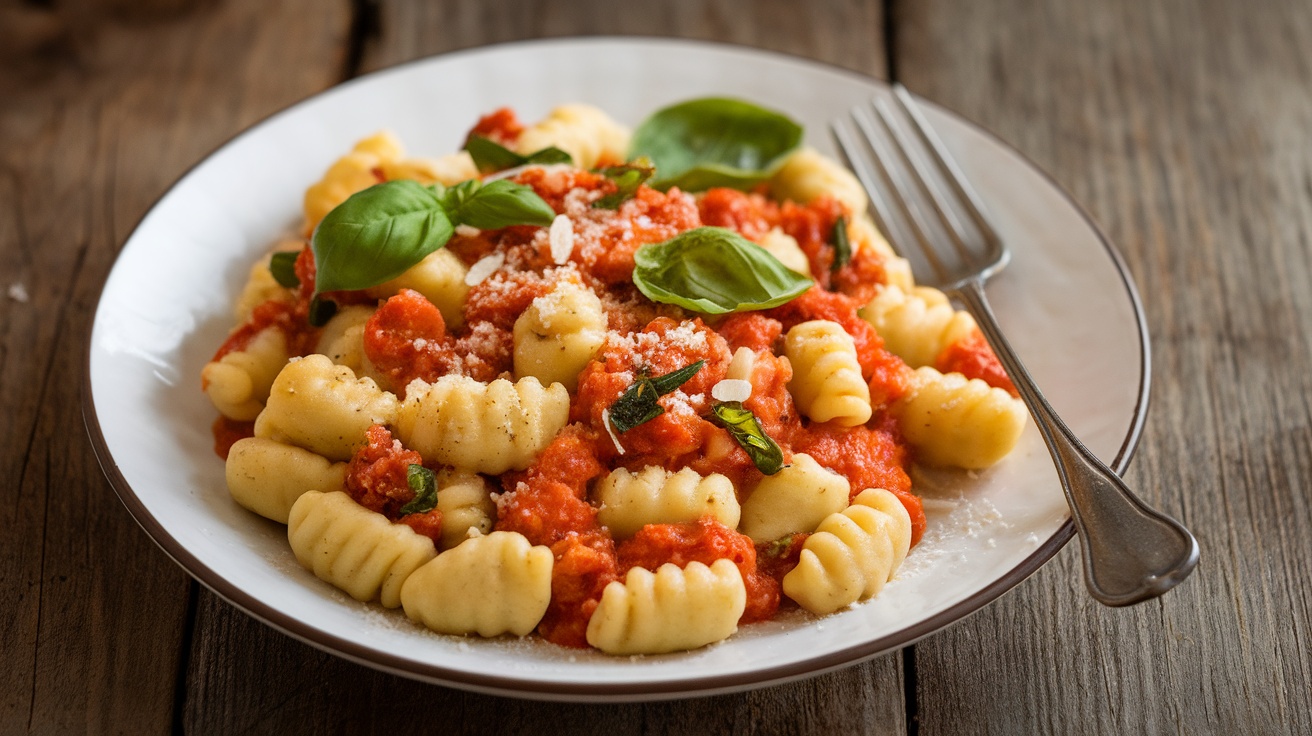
{"x":490,"y":156}
{"x":283,"y":267}
{"x":424,"y":483}
{"x":842,"y":248}
{"x":627,"y":177}
{"x":714,"y":142}
{"x":715,"y":271}
{"x":376,"y":234}
{"x":495,"y":205}
{"x":746,"y":430}
{"x":638,"y":404}
{"x":321,"y":310}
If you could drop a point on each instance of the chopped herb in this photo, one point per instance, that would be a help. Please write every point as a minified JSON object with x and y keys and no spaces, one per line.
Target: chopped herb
{"x":638,"y":404}
{"x":747,"y":431}
{"x":781,"y":546}
{"x":842,"y":248}
{"x":424,"y":483}
{"x":628,"y":178}
{"x":321,"y":310}
{"x":490,"y":156}
{"x":283,"y":267}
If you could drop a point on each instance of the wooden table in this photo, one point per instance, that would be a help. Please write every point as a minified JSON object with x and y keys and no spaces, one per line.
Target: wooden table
{"x":1184,"y":127}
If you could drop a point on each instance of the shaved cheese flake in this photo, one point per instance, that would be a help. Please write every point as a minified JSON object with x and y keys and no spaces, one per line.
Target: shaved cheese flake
{"x":605,"y":420}
{"x":732,"y":389}
{"x":561,"y":237}
{"x":467,"y":231}
{"x":486,"y":266}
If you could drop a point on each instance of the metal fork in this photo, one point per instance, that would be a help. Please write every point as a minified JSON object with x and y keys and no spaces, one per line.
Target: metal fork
{"x":1131,"y":552}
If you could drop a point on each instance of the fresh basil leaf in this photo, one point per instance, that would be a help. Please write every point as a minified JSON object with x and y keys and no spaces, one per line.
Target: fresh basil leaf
{"x":747,"y":431}
{"x":283,"y":267}
{"x":842,"y":248}
{"x":638,"y":404}
{"x":321,"y":310}
{"x":714,"y":142}
{"x":628,"y":178}
{"x":490,"y":156}
{"x":496,"y":204}
{"x":376,"y":234}
{"x":424,"y":483}
{"x":715,"y":271}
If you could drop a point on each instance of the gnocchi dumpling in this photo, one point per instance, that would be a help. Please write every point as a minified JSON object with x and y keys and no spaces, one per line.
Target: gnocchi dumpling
{"x":852,"y":554}
{"x":238,"y":384}
{"x":958,"y":422}
{"x":260,"y":285}
{"x":465,"y":500}
{"x":586,"y":133}
{"x":628,"y":501}
{"x":482,"y":427}
{"x":558,"y":335}
{"x":450,"y":169}
{"x":323,"y":408}
{"x":267,"y":477}
{"x":796,"y":499}
{"x":917,"y":325}
{"x":357,"y":550}
{"x":349,"y":174}
{"x":784,"y":247}
{"x":489,"y":586}
{"x":342,"y":339}
{"x":669,"y":610}
{"x":808,"y":174}
{"x":827,"y":383}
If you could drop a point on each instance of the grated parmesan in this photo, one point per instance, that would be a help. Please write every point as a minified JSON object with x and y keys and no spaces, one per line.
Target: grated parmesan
{"x":732,"y":389}
{"x":486,"y":266}
{"x":561,"y":237}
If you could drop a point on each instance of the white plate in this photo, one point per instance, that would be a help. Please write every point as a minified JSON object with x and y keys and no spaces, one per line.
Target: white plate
{"x":1066,"y":302}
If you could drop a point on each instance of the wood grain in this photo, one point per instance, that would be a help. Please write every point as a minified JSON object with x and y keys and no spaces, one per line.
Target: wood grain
{"x":1183,"y":127}
{"x":105,"y":106}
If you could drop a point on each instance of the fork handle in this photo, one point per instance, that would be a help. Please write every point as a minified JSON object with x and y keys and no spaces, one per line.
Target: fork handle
{"x":1131,"y":551}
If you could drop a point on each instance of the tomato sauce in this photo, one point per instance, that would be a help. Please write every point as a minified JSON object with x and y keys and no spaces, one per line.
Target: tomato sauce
{"x":227,"y":432}
{"x":585,"y":565}
{"x":974,"y":358}
{"x":377,"y":478}
{"x":500,"y":125}
{"x":406,"y":339}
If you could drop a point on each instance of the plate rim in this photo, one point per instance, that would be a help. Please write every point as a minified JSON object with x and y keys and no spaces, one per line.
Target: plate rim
{"x":537,"y":689}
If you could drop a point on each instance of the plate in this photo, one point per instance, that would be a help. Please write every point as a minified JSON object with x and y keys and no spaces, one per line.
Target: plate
{"x":1066,"y":302}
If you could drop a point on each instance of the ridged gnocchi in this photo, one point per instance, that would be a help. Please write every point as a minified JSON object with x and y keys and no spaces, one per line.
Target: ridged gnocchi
{"x":587,"y":134}
{"x":628,"y":501}
{"x":827,"y":383}
{"x":267,"y":477}
{"x":917,"y":325}
{"x":492,"y":585}
{"x":355,"y":549}
{"x":558,"y":335}
{"x":959,"y":422}
{"x":796,"y":499}
{"x":669,"y":610}
{"x":852,"y":554}
{"x":482,"y":427}
{"x":238,"y":384}
{"x":323,"y":408}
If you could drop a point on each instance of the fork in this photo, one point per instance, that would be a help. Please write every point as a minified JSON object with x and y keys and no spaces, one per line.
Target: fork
{"x":1131,"y":552}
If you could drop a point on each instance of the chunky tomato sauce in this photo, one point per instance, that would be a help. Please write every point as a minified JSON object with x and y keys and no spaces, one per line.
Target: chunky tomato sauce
{"x":974,"y":358}
{"x":377,"y":479}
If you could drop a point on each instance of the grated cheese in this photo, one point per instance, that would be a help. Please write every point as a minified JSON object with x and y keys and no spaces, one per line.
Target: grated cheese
{"x":732,"y":389}
{"x":486,"y":266}
{"x":561,"y":237}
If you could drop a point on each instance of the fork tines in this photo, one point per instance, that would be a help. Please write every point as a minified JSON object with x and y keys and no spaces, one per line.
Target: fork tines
{"x":919,"y":196}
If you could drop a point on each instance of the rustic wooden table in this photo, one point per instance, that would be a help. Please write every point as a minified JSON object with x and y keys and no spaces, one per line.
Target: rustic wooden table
{"x":1182,"y":125}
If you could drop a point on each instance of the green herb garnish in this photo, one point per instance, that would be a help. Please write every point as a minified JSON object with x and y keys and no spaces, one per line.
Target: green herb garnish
{"x":842,"y":248}
{"x":627,"y":177}
{"x":379,"y":233}
{"x":714,"y":142}
{"x":490,"y":156}
{"x":424,"y":483}
{"x":638,"y":404}
{"x":747,"y":431}
{"x":283,"y":267}
{"x":714,"y":270}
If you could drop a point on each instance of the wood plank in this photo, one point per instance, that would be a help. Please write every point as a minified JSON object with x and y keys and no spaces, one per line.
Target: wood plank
{"x":244,"y":676}
{"x":1183,"y":127}
{"x":104,"y":106}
